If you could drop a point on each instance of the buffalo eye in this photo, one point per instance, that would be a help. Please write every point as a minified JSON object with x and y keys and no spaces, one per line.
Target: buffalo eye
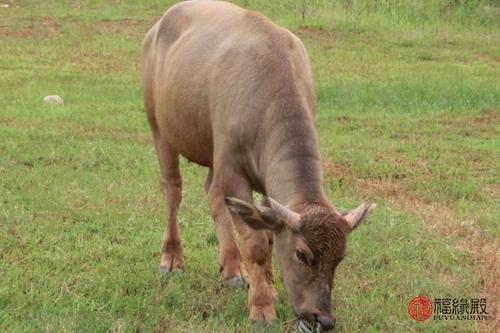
{"x":301,"y":256}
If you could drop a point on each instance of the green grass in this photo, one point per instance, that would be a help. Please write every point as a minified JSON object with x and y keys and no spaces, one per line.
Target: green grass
{"x":409,"y":103}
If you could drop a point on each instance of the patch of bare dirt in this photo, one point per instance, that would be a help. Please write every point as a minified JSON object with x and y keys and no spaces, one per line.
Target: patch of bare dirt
{"x":46,"y":27}
{"x":484,"y":120}
{"x":493,"y":191}
{"x":125,"y":26}
{"x":322,"y":35}
{"x":440,"y":218}
{"x":10,"y":33}
{"x":49,"y":27}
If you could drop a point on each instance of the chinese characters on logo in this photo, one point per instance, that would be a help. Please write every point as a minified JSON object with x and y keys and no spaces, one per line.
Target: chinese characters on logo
{"x":460,"y":309}
{"x":421,"y":308}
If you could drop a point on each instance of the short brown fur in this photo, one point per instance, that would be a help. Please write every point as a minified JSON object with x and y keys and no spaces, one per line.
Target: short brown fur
{"x":228,"y":89}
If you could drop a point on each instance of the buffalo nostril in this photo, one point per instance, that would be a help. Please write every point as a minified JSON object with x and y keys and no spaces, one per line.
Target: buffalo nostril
{"x":326,"y":323}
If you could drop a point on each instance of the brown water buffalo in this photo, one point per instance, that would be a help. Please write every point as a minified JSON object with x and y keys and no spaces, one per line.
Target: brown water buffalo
{"x":229,"y":90}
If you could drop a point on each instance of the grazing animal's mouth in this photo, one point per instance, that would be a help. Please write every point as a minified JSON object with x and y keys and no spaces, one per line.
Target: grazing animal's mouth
{"x":304,"y":326}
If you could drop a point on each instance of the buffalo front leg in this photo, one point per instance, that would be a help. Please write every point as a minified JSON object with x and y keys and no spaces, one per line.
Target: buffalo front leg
{"x":171,"y":186}
{"x":233,"y":271}
{"x":255,"y":247}
{"x":269,"y":265}
{"x":269,"y":256}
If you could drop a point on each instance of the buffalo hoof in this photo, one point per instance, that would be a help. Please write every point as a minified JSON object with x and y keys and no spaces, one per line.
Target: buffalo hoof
{"x":165,"y":271}
{"x":263,"y":313}
{"x":235,"y":282}
{"x":171,"y":262}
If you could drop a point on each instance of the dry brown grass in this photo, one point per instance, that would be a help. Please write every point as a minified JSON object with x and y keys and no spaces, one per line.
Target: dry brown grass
{"x":440,"y":218}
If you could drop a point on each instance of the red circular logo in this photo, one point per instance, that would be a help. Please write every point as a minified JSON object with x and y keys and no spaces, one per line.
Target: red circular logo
{"x":420,"y":308}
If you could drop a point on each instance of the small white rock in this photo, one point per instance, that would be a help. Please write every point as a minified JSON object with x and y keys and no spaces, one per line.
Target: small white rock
{"x":53,"y":100}
{"x":4,"y":5}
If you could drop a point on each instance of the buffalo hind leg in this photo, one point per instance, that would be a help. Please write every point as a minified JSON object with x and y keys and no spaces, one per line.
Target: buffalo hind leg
{"x":232,"y":268}
{"x":171,"y":186}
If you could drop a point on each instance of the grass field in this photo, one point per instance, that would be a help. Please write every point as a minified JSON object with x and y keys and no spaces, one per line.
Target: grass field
{"x":408,"y":117}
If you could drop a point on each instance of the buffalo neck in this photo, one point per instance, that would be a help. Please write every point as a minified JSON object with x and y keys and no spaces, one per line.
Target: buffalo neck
{"x":292,"y":161}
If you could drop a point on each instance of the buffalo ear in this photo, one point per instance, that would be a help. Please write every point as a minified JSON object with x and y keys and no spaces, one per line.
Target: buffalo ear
{"x":357,"y":215}
{"x":256,"y":217}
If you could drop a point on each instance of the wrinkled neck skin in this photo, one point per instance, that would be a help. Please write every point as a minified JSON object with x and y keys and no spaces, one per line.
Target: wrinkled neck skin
{"x":292,"y":164}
